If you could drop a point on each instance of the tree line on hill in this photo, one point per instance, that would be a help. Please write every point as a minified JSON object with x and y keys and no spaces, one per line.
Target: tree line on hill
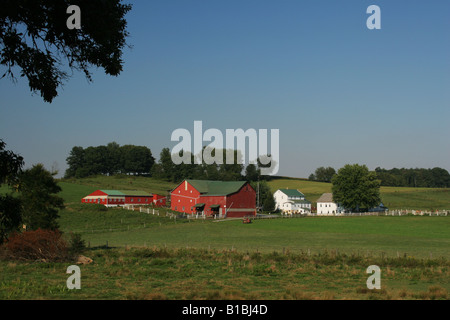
{"x":109,"y":160}
{"x":114,"y":159}
{"x":419,"y":177}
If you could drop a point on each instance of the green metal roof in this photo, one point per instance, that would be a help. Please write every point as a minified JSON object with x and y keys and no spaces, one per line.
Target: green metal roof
{"x":113,"y":192}
{"x":216,"y":188}
{"x":124,"y":193}
{"x":292,"y":193}
{"x":136,"y":193}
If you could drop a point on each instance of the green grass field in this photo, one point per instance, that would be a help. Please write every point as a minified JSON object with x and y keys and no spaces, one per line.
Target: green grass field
{"x":192,"y":274}
{"x":156,"y":257}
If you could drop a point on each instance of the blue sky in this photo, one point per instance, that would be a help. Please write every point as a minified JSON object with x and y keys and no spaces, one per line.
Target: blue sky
{"x":338,"y":92}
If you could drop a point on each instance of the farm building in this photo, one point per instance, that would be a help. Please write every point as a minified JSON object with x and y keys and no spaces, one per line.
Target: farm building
{"x":291,"y":201}
{"x":326,"y":205}
{"x":214,"y":198}
{"x":114,"y":198}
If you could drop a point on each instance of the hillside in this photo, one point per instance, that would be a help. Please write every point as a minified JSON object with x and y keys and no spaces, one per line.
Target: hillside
{"x":392,"y":197}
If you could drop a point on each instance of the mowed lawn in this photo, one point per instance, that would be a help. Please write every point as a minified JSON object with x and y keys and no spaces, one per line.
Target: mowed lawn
{"x":420,"y":237}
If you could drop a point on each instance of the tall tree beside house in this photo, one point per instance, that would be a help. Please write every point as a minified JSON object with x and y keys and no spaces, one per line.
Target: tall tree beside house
{"x":36,"y":41}
{"x":38,"y":195}
{"x":356,"y":188}
{"x":265,"y":196}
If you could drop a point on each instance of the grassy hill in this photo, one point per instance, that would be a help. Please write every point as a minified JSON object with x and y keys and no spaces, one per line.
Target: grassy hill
{"x":392,"y":197}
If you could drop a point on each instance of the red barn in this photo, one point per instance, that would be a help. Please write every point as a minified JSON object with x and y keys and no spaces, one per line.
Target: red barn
{"x":113,"y":198}
{"x":159,"y":201}
{"x":105,"y":197}
{"x":134,"y":197}
{"x":214,"y":198}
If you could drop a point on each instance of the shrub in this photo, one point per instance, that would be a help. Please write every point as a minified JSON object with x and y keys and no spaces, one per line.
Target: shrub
{"x":77,"y":244}
{"x":38,"y":245}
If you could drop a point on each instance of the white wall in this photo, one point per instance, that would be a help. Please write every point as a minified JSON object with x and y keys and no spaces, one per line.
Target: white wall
{"x":327,"y":208}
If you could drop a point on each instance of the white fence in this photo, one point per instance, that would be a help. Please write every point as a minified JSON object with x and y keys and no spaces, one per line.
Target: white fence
{"x":141,"y":209}
{"x":437,"y":213}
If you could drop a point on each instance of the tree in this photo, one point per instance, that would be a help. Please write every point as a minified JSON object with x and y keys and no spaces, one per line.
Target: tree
{"x":252,"y":173}
{"x":10,"y":216}
{"x":266,"y":199}
{"x":40,"y":204}
{"x":10,"y":209}
{"x":75,"y":161}
{"x":356,"y":188}
{"x":136,"y":159}
{"x":10,"y":165}
{"x":323,"y":174}
{"x":166,"y":165}
{"x":35,"y":38}
{"x":267,"y":163}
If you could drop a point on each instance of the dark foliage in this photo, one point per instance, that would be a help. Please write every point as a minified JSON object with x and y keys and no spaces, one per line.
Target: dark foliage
{"x":35,"y":39}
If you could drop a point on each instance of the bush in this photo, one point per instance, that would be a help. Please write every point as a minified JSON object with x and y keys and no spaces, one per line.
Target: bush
{"x":38,"y":245}
{"x":77,"y":244}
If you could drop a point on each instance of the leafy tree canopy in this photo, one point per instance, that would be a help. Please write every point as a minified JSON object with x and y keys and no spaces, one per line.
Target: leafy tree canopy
{"x":34,"y":38}
{"x":356,"y":188}
{"x":38,"y":195}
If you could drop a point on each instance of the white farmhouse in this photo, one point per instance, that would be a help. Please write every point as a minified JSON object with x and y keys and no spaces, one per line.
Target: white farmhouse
{"x":291,"y":201}
{"x":326,"y":205}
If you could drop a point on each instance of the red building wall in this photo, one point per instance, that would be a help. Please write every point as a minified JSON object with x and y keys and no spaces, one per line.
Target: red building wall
{"x":242,"y":203}
{"x":138,"y":200}
{"x":184,"y":198}
{"x":213,"y":200}
{"x":97,"y":193}
{"x":159,"y":201}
